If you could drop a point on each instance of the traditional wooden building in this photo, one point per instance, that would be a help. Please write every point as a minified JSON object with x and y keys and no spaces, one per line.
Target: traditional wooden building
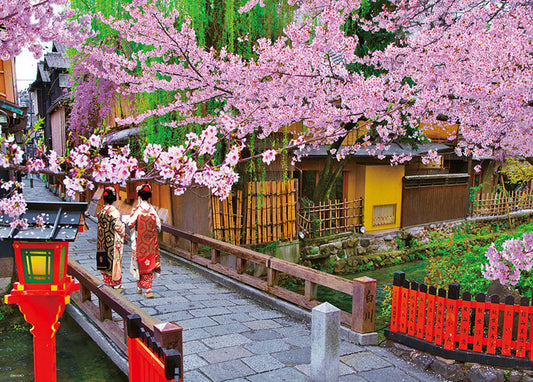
{"x":12,"y":121}
{"x":51,"y":96}
{"x":403,"y":195}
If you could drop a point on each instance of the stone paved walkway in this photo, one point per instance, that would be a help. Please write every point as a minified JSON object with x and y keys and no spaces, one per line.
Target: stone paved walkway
{"x":227,"y":335}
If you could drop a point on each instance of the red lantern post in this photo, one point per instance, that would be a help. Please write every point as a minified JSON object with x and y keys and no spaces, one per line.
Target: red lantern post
{"x":42,"y":309}
{"x":41,"y":255}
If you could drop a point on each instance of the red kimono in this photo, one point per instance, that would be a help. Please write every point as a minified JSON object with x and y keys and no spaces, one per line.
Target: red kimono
{"x":145,"y":225}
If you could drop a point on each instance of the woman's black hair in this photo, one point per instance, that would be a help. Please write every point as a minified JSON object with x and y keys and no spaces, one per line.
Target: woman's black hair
{"x":145,"y":192}
{"x":110,"y":196}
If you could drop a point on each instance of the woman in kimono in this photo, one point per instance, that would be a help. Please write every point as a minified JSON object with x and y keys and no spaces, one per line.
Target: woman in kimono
{"x":110,"y":241}
{"x":145,"y":226}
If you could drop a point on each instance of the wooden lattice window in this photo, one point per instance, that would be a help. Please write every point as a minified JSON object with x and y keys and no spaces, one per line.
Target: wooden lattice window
{"x":384,"y":214}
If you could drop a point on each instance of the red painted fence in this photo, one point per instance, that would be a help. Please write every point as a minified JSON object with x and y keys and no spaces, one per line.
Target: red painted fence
{"x":148,"y":362}
{"x":442,"y":323}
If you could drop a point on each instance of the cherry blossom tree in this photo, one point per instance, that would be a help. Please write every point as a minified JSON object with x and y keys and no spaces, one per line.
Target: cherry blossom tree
{"x":30,"y":23}
{"x":456,"y":60}
{"x":471,"y":62}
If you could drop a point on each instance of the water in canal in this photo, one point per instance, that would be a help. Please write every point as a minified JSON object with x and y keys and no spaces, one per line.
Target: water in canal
{"x":78,"y":357}
{"x":415,"y":270}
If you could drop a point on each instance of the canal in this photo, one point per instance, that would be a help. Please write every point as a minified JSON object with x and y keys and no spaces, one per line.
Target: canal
{"x":415,"y":270}
{"x":78,"y":357}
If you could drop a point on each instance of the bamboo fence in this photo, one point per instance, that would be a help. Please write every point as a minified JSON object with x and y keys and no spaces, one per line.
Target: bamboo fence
{"x":331,"y":217}
{"x":501,"y":203}
{"x":265,"y":213}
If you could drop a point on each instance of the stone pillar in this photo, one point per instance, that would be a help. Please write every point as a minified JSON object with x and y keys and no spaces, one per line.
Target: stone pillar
{"x":325,"y":343}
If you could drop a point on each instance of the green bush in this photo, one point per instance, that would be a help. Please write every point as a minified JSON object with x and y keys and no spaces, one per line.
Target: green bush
{"x":461,"y":258}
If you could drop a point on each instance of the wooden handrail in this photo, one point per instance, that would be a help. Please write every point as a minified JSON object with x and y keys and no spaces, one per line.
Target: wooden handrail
{"x":116,"y":302}
{"x":274,"y":266}
{"x":110,"y":301}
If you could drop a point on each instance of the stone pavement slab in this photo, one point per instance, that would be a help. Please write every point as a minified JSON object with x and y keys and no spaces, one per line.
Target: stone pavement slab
{"x":227,"y":334}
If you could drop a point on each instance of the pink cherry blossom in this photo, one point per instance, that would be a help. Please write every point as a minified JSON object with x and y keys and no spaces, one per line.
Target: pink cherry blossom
{"x":515,"y":257}
{"x":269,"y":156}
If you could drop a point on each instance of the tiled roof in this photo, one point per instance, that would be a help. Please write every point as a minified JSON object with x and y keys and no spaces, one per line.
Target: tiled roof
{"x":56,"y":60}
{"x":60,"y":48}
{"x":45,"y":76}
{"x":392,"y":150}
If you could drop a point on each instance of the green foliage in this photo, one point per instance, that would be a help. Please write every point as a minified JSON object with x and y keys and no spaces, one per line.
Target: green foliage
{"x":517,"y":171}
{"x":368,"y":41}
{"x":268,"y":248}
{"x":217,"y":24}
{"x":460,"y":258}
{"x":473,"y":192}
{"x":386,"y":303}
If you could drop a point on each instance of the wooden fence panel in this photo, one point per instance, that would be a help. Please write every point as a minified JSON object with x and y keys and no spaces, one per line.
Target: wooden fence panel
{"x":501,"y":203}
{"x":422,"y":304}
{"x":332,"y":216}
{"x":419,"y":204}
{"x":462,"y":329}
{"x":264,"y":214}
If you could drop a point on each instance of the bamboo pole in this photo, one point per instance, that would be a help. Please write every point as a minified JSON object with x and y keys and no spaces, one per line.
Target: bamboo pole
{"x":507,"y":203}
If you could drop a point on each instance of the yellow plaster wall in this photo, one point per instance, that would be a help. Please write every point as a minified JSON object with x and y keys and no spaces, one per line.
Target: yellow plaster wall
{"x":383,"y":185}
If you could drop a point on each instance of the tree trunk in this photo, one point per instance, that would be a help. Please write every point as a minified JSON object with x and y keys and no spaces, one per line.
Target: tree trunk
{"x":330,"y":172}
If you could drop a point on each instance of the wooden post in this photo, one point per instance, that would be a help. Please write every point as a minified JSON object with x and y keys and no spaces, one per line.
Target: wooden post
{"x":452,"y":313}
{"x":364,"y":304}
{"x":85,"y":293}
{"x":272,"y":277}
{"x":522,"y":327}
{"x":194,"y":250}
{"x":310,"y":290}
{"x":507,"y":335}
{"x":430,"y":320}
{"x":465,"y":321}
{"x":170,"y":336}
{"x":413,"y":305}
{"x":215,"y":256}
{"x":105,"y":311}
{"x":493,"y":323}
{"x":404,"y":303}
{"x":399,"y":277}
{"x":439,"y":318}
{"x":480,"y":322}
{"x":422,"y":302}
{"x":241,"y":265}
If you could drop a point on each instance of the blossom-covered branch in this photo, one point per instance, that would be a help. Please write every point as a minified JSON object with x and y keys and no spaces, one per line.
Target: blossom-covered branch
{"x":30,"y":23}
{"x":508,"y":264}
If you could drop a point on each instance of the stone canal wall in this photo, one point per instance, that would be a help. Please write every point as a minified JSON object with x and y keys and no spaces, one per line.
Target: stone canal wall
{"x":350,"y":252}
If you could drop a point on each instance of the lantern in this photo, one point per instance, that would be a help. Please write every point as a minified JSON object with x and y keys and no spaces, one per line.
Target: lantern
{"x":41,"y":255}
{"x":41,"y":265}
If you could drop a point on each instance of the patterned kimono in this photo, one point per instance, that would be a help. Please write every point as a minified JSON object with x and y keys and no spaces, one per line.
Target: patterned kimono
{"x":110,"y":239}
{"x":145,"y":226}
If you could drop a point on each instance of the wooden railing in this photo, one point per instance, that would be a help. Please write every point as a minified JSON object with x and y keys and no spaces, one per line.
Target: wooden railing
{"x":331,"y":217}
{"x":440,"y":322}
{"x":109,"y":304}
{"x":147,"y":360}
{"x":501,"y":203}
{"x":362,"y":290}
